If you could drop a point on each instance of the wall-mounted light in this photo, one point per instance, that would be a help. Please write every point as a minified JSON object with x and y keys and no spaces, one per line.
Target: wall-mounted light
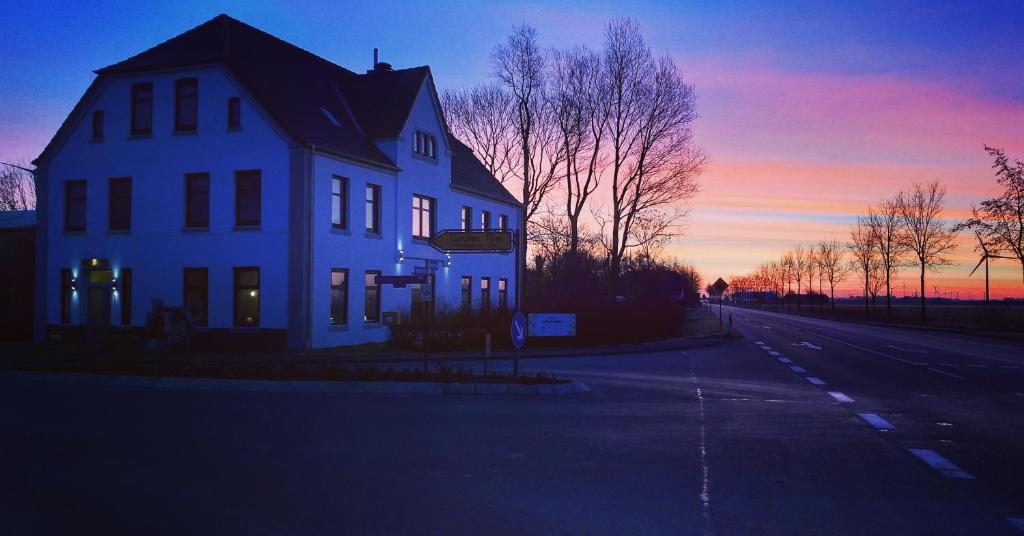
{"x":94,"y":262}
{"x":447,"y":260}
{"x":113,"y":285}
{"x":401,"y":255}
{"x":74,"y":284}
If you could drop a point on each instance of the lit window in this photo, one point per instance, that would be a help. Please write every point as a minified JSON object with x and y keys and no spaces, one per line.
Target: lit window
{"x":467,"y":293}
{"x":503,"y":222}
{"x":467,"y":218}
{"x":247,"y":296}
{"x":371,"y":309}
{"x":339,"y":202}
{"x":422,"y":216}
{"x":502,"y":293}
{"x":373,"y":208}
{"x":485,"y":220}
{"x":339,"y":296}
{"x":485,"y":293}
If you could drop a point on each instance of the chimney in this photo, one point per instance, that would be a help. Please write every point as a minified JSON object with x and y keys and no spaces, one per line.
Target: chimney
{"x":375,"y":51}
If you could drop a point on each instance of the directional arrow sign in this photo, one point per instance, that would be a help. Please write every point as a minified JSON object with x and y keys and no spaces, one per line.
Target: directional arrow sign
{"x":518,"y":330}
{"x":449,"y":241}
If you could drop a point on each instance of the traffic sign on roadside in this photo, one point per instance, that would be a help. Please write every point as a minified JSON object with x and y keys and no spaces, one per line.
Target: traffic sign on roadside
{"x":518,"y":330}
{"x":720,"y":286}
{"x":473,"y":241}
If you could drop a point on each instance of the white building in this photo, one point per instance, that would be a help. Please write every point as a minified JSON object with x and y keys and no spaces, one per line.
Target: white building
{"x":261,"y":187}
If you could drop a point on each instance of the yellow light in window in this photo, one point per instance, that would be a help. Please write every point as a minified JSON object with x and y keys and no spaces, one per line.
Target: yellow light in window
{"x":94,"y":261}
{"x":252,"y":293}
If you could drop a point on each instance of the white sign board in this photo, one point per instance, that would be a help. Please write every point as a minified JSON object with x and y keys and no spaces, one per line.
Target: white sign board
{"x":552,"y":324}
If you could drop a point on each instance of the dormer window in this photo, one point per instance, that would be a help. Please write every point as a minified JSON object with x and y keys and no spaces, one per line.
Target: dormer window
{"x":186,"y":104}
{"x":425,"y":145}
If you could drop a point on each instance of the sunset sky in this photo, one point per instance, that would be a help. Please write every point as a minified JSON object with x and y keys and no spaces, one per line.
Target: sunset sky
{"x":811,"y":111}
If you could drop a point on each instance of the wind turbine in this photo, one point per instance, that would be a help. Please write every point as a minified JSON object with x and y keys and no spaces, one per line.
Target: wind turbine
{"x":986,"y":255}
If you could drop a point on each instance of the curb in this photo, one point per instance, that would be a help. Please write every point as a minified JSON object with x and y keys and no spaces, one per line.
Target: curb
{"x":296,"y":386}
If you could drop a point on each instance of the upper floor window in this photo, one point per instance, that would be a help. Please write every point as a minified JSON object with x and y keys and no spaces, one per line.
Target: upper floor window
{"x":120,"y":218}
{"x":197,"y":200}
{"x":234,"y":112}
{"x":339,"y":202}
{"x":74,"y":205}
{"x":467,"y":218}
{"x":373,"y":208}
{"x":97,"y":124}
{"x":425,"y":145}
{"x":247,"y":198}
{"x":503,"y":222}
{"x":142,"y":109}
{"x":485,"y":220}
{"x":422,"y":216}
{"x":186,"y":105}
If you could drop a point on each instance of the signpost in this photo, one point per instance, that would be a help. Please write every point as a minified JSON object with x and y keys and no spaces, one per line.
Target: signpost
{"x":552,"y":324}
{"x":473,"y":241}
{"x":518,"y":338}
{"x":719,"y":286}
{"x":400,"y":281}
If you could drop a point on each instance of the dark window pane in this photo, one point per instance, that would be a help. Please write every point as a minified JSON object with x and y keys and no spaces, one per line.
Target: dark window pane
{"x":247,"y":198}
{"x":142,"y":108}
{"x":186,"y":103}
{"x":97,"y":125}
{"x":467,"y":293}
{"x":339,"y":202}
{"x":234,"y":112}
{"x":247,"y":296}
{"x":126,"y":296}
{"x":121,"y":204}
{"x":339,"y":296}
{"x":74,"y":205}
{"x":196,"y":299}
{"x":197,"y":200}
{"x":371,"y":311}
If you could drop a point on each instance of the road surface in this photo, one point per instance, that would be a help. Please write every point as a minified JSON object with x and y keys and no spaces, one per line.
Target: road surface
{"x":719,"y":440}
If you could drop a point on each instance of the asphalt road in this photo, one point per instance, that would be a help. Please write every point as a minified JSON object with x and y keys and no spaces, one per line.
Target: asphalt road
{"x":718,"y":440}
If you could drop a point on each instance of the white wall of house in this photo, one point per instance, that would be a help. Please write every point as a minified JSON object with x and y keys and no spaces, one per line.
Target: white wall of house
{"x":158,"y":246}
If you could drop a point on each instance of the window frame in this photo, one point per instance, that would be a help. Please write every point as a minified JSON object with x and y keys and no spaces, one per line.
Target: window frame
{"x":485,"y":293}
{"x":425,"y":145}
{"x":119,"y":181}
{"x":204,"y":320}
{"x":373,"y":207}
{"x":68,"y":199}
{"x":339,"y":199}
{"x":418,"y":217}
{"x":234,"y":113}
{"x":136,"y":102}
{"x":236,"y":287}
{"x":503,"y":222}
{"x":485,"y":220}
{"x":343,"y":288}
{"x":503,"y":293}
{"x":467,"y":218}
{"x":180,"y":86}
{"x":188,"y":205}
{"x":466,"y":294}
{"x":377,"y":299}
{"x":257,"y":176}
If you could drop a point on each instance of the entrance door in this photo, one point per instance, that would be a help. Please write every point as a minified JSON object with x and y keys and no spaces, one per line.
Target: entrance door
{"x":99,"y":296}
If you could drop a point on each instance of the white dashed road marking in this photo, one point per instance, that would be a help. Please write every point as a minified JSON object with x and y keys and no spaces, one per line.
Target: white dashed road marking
{"x":940,"y":464}
{"x":769,"y":348}
{"x":840,"y":396}
{"x":774,"y":353}
{"x":815,"y":381}
{"x":785,"y":360}
{"x":944,"y":373}
{"x":878,"y":422}
{"x":759,"y":343}
{"x":1017,"y":522}
{"x":800,"y":370}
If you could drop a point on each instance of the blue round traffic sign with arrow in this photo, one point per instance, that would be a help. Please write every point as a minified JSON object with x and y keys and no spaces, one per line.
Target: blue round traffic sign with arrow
{"x":518,"y":330}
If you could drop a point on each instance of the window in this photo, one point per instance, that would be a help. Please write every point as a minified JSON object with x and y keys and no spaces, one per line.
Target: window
{"x":186,"y":105}
{"x":502,"y":293}
{"x":196,"y":294}
{"x":126,"y":296}
{"x":417,"y":307}
{"x":485,"y":293}
{"x":197,"y":200}
{"x":371,"y":297}
{"x":74,"y":205}
{"x":467,"y":218}
{"x":97,"y":125}
{"x":339,"y":206}
{"x":373,"y":208}
{"x":503,"y":222}
{"x":247,"y":297}
{"x":247,"y":198}
{"x":485,"y":220}
{"x":339,"y":296}
{"x":142,"y":109}
{"x":467,"y":293}
{"x":425,"y":145}
{"x":120,"y":217}
{"x":234,"y":112}
{"x":422,"y":216}
{"x":65,"y":296}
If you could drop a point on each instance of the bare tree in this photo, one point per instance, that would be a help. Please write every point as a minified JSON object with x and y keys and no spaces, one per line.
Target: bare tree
{"x":864,"y":250}
{"x":812,"y":269}
{"x":654,"y":162}
{"x":928,"y":238}
{"x":1000,"y":220}
{"x":17,"y":188}
{"x":799,"y":268}
{"x":830,"y":258}
{"x":483,"y":117}
{"x":891,"y":241}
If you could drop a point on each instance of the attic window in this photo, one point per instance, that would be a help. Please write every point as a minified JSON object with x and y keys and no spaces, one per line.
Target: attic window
{"x":425,"y":145}
{"x":330,"y":117}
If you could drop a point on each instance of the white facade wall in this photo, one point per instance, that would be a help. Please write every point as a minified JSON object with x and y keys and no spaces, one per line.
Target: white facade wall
{"x":158,"y":246}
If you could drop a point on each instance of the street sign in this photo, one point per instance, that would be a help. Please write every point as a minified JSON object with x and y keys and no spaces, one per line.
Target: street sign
{"x":552,"y":324}
{"x":400,"y":281}
{"x":720,"y":285}
{"x":473,"y":241}
{"x":426,"y":292}
{"x":518,"y":330}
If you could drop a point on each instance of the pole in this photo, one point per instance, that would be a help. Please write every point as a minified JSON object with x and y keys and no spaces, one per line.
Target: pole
{"x":426,"y":321}
{"x":720,"y":311}
{"x":986,"y":280}
{"x":520,"y":242}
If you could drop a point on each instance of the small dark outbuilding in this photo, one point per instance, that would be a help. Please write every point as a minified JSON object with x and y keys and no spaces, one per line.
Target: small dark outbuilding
{"x":17,"y":274}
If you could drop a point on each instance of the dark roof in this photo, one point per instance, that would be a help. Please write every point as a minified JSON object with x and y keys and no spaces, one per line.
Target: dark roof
{"x":296,"y":87}
{"x":469,"y":174}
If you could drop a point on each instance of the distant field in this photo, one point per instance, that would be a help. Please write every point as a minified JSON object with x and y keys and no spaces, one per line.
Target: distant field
{"x":974,"y":317}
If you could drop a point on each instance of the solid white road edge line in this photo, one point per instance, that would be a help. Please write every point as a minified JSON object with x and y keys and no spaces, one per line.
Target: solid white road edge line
{"x":840,"y":396}
{"x":876,"y":421}
{"x":814,"y":380}
{"x":940,"y":464}
{"x":944,"y":373}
